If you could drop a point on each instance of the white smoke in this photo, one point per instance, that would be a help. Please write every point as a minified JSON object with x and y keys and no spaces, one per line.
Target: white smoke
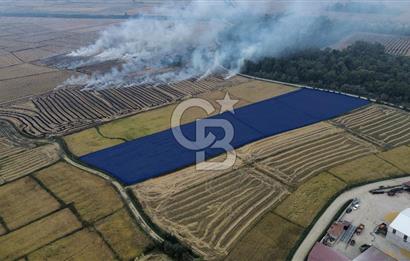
{"x":195,"y":40}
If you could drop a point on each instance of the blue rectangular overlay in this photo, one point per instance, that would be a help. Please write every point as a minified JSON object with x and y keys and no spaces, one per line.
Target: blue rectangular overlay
{"x":160,"y":153}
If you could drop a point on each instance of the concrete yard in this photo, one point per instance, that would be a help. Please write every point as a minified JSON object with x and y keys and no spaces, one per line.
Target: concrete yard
{"x":369,"y":207}
{"x":374,"y":210}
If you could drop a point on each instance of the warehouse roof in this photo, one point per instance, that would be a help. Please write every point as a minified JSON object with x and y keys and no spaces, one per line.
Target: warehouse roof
{"x":402,"y":222}
{"x":321,"y":252}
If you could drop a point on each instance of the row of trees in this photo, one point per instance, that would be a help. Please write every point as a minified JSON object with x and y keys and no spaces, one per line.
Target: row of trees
{"x":362,"y":68}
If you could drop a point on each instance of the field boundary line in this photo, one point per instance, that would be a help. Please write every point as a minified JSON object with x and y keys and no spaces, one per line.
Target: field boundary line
{"x":358,"y":135}
{"x":116,"y":255}
{"x":266,"y":173}
{"x":123,"y":194}
{"x":15,"y":56}
{"x":4,"y":225}
{"x":43,"y":186}
{"x":66,"y":156}
{"x":29,"y":75}
{"x":109,"y":138}
{"x":61,"y":208}
{"x":391,"y":163}
{"x":51,"y":242}
{"x":336,"y":177}
{"x":287,"y":219}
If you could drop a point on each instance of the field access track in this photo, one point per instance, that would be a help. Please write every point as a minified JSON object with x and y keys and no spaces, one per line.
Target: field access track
{"x":158,"y":154}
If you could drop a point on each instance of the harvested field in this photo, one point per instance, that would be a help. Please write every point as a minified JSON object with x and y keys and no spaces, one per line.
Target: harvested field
{"x":156,"y":120}
{"x":365,"y":169}
{"x":266,"y":147}
{"x":87,"y":141}
{"x":7,"y":59}
{"x":304,"y":204}
{"x":163,"y":188}
{"x":3,"y":229}
{"x":23,"y":201}
{"x":399,"y":157}
{"x":10,"y":135}
{"x":155,"y":256}
{"x":212,"y":215}
{"x":102,"y":68}
{"x":35,"y":54}
{"x":28,"y":238}
{"x":36,"y":226}
{"x":82,"y":245}
{"x":252,"y":122}
{"x":12,"y":45}
{"x":121,"y":233}
{"x":382,"y":125}
{"x":27,"y":161}
{"x":20,"y":156}
{"x":294,"y":156}
{"x":66,"y":110}
{"x":22,"y":70}
{"x":31,"y":85}
{"x":271,"y":238}
{"x":92,"y":196}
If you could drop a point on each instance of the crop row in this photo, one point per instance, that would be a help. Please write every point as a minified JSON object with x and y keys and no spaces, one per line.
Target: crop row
{"x":27,"y":161}
{"x":213,"y":214}
{"x":384,"y":126}
{"x":397,"y":46}
{"x":297,"y":164}
{"x":65,"y":110}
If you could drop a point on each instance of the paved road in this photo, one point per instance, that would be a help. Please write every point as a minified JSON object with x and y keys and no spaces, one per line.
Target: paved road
{"x":332,"y":210}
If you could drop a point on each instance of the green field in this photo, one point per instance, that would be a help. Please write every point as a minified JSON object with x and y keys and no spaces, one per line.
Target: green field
{"x":304,"y":204}
{"x":399,"y":157}
{"x":152,"y":121}
{"x":365,"y":169}
{"x":270,"y":239}
{"x":88,"y":141}
{"x":123,"y":235}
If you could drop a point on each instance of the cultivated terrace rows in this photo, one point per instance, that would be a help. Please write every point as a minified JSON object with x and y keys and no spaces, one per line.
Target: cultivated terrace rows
{"x":211,"y":210}
{"x":20,"y":156}
{"x":382,"y":125}
{"x":56,"y":211}
{"x":397,"y":46}
{"x":66,"y":110}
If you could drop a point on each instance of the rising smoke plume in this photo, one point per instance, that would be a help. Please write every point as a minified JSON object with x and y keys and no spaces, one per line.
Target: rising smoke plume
{"x":200,"y":38}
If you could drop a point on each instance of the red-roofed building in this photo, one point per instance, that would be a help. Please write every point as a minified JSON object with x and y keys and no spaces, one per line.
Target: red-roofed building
{"x":321,"y":252}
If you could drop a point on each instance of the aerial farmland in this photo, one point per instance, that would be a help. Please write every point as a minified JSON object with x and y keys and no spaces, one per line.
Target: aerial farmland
{"x":272,"y":132}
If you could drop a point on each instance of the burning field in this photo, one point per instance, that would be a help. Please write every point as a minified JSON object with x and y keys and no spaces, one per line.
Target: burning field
{"x":106,"y":87}
{"x":63,"y":111}
{"x":394,"y":44}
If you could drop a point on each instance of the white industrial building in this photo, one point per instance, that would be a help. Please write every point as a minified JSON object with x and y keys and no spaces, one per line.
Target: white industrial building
{"x":399,"y":230}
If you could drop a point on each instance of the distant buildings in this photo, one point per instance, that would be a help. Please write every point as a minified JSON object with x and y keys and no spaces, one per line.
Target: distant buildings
{"x":399,"y":230}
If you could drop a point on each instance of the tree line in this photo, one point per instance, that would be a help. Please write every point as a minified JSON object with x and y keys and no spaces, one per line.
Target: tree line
{"x":362,"y":68}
